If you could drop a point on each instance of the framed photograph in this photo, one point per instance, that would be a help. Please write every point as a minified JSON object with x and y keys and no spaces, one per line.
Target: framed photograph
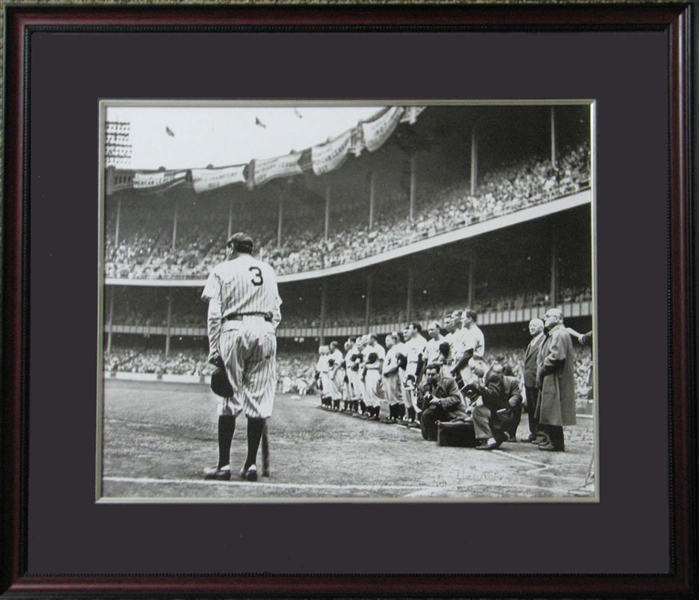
{"x":290,"y":290}
{"x":391,"y":268}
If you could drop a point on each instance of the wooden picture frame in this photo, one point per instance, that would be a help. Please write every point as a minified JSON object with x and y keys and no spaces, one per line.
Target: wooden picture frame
{"x":21,"y":303}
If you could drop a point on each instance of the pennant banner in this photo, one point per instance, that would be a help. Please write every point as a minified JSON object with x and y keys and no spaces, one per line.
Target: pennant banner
{"x":323,"y":158}
{"x":411,"y":114}
{"x":306,"y":160}
{"x":271,"y":168}
{"x":146,"y":181}
{"x":378,"y":131}
{"x":211,"y":179}
{"x":329,"y":156}
{"x":357,"y":144}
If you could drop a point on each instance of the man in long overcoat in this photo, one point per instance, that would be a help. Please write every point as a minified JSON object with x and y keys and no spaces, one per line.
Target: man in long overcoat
{"x":531,"y":359}
{"x":556,"y":381}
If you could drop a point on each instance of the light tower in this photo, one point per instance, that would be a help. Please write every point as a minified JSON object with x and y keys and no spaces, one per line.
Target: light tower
{"x":117,"y":149}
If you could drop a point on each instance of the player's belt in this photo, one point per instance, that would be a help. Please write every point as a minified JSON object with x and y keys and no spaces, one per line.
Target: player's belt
{"x":239,"y":316}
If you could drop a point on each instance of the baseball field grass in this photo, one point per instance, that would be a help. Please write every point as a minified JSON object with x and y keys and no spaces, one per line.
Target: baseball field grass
{"x":158,"y":437}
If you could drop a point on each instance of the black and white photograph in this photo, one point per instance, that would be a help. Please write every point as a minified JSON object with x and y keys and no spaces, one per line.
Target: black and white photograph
{"x":347,"y":302}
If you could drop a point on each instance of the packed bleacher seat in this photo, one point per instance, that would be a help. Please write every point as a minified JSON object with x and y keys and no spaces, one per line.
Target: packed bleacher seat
{"x":142,"y":360}
{"x":292,"y":364}
{"x":297,"y":365}
{"x":199,"y":246}
{"x":437,"y":311}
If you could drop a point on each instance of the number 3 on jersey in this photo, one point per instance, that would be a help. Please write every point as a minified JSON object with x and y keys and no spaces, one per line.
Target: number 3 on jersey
{"x":257,"y":280}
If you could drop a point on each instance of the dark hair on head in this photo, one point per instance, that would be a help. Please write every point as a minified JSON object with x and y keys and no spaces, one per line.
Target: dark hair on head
{"x":241,"y":242}
{"x":334,"y":344}
{"x":416,"y":326}
{"x":352,"y":338}
{"x":472,"y":314}
{"x":372,"y":336}
{"x":434,"y":365}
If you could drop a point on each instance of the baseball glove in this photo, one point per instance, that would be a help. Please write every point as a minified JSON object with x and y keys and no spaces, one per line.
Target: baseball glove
{"x":402,"y":360}
{"x":219,"y":381}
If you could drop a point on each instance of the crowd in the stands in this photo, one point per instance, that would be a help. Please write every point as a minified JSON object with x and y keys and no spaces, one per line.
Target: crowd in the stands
{"x":297,"y":364}
{"x":190,"y":311}
{"x":434,"y":311}
{"x":295,"y":369}
{"x":151,"y":253}
{"x":148,"y":360}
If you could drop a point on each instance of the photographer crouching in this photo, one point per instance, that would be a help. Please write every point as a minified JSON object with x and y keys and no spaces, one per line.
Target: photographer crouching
{"x":440,"y":400}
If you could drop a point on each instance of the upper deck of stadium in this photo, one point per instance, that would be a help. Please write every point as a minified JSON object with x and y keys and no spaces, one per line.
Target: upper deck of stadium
{"x":456,"y":172}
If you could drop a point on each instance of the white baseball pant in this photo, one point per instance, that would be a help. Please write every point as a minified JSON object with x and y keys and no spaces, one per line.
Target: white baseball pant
{"x":248,"y":348}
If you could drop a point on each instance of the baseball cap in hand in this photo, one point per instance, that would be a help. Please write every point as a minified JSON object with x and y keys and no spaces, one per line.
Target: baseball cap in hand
{"x":220,"y":385}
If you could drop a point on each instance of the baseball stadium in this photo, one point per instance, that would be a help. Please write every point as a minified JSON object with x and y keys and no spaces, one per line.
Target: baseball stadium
{"x":412,"y":213}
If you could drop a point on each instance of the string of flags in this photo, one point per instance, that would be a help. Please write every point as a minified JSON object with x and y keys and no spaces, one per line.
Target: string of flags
{"x":323,"y":158}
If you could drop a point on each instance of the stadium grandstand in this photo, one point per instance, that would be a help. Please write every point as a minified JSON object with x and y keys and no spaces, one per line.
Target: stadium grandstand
{"x":487,"y":207}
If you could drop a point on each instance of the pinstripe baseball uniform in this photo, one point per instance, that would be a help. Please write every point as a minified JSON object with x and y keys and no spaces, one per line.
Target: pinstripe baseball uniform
{"x":372,"y":393}
{"x":446,"y":369}
{"x":391,"y":379}
{"x":327,"y":376}
{"x":360,"y":364}
{"x":353,"y":372}
{"x":432,"y":353}
{"x":399,"y":348}
{"x":323,"y":368}
{"x":244,"y":312}
{"x":463,"y":341}
{"x":415,"y":349}
{"x":338,"y":372}
{"x":479,"y":339}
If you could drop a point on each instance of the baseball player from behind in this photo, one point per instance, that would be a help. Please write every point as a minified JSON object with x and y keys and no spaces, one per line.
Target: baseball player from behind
{"x":244,"y":312}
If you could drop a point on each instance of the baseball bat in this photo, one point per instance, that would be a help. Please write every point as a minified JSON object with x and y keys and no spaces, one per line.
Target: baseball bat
{"x":265,"y":451}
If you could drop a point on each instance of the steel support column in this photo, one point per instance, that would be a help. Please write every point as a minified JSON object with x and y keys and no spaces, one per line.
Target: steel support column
{"x":413,"y":185}
{"x":169,"y":323}
{"x":367,"y":315}
{"x":474,"y":161}
{"x":409,"y":304}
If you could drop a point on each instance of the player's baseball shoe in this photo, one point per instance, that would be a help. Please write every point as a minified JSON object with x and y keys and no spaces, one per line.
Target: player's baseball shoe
{"x":549,"y":447}
{"x":491,"y":444}
{"x":219,"y":474}
{"x":250,"y":474}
